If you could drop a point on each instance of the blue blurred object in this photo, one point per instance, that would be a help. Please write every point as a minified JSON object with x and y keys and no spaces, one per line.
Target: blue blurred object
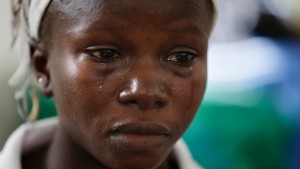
{"x":288,"y":100}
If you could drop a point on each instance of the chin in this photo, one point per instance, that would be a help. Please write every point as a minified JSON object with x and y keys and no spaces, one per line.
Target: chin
{"x":137,"y":160}
{"x":141,"y":163}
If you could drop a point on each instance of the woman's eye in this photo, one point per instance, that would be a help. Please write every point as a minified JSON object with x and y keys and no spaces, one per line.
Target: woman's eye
{"x":104,"y":54}
{"x":181,"y":58}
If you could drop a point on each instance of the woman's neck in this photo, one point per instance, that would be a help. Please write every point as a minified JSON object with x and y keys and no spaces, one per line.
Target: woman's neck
{"x":65,"y":153}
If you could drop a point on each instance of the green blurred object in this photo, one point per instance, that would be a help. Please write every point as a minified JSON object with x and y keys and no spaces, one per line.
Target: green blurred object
{"x":47,"y":106}
{"x":231,"y":136}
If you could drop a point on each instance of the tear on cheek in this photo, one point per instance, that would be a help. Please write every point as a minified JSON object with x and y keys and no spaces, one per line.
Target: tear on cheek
{"x":197,"y":94}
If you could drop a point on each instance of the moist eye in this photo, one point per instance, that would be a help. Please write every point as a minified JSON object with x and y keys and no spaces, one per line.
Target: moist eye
{"x":181,"y":57}
{"x":103,"y":54}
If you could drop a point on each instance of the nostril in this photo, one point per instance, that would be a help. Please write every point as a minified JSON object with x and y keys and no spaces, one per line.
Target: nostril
{"x":144,"y":101}
{"x":159,"y":104}
{"x":133,"y":102}
{"x":144,"y":96}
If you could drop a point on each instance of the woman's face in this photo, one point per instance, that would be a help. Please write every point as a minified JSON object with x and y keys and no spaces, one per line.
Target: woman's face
{"x":127,"y":76}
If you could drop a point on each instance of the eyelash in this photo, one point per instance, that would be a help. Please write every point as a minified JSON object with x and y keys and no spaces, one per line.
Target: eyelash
{"x":106,"y":55}
{"x":186,"y":59}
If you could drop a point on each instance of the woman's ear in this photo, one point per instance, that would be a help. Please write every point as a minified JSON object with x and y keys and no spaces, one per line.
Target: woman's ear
{"x":39,"y":62}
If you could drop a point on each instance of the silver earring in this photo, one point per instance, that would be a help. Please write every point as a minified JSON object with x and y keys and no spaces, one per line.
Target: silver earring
{"x":42,"y":80}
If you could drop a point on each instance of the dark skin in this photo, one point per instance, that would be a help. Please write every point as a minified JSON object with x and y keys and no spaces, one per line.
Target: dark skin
{"x":127,"y":78}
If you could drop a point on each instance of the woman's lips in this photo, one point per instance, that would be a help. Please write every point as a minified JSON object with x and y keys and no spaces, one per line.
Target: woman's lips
{"x":140,"y":136}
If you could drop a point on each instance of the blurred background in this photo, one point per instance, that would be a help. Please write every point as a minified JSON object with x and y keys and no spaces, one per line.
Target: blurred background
{"x":250,"y":117}
{"x":9,"y":118}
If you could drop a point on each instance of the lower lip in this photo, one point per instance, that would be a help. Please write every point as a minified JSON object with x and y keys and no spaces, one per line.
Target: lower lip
{"x":140,"y":142}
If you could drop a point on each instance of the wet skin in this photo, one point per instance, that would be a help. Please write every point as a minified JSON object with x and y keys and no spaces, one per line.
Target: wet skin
{"x":127,"y":78}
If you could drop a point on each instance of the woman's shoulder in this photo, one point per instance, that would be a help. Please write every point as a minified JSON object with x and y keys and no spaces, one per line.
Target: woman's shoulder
{"x":184,"y":157}
{"x":28,"y":139}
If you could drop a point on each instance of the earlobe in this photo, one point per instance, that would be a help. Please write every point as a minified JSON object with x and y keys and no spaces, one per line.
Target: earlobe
{"x":39,"y":62}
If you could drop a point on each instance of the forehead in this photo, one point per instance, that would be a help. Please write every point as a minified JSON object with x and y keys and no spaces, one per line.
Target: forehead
{"x":127,"y":13}
{"x":161,"y":8}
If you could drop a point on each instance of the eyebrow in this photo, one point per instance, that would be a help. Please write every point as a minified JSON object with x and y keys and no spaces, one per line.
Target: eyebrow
{"x":108,"y":26}
{"x":96,"y":26}
{"x":187,"y":29}
{"x":177,"y":27}
{"x":186,"y":26}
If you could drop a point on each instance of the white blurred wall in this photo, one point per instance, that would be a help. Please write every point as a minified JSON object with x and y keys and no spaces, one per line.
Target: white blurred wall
{"x":8,"y":63}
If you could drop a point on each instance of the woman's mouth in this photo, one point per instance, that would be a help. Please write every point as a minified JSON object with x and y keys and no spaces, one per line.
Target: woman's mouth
{"x":141,"y":136}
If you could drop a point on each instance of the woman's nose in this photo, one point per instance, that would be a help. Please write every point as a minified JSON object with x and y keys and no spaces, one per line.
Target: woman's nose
{"x":144,"y":92}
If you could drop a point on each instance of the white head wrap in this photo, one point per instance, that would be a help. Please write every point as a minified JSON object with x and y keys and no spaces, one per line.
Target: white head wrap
{"x":36,"y":12}
{"x":31,"y":15}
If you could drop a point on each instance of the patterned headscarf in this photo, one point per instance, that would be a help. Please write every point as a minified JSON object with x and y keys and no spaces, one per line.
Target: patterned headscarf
{"x":27,"y":19}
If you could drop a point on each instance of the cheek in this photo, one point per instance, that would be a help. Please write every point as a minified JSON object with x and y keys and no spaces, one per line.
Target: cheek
{"x":78,"y":92}
{"x":187,"y":96}
{"x":198,"y":87}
